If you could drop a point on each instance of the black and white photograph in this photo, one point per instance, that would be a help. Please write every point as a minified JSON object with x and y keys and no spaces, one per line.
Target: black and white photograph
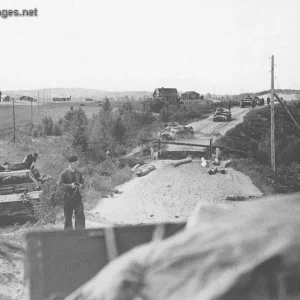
{"x":149,"y":150}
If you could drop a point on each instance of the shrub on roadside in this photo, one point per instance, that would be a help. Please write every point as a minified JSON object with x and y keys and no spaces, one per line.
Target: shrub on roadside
{"x":50,"y":203}
{"x":47,"y":125}
{"x":253,"y":137}
{"x":56,"y":130}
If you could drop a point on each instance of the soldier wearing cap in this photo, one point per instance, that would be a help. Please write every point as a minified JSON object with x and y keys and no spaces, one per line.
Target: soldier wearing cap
{"x":71,"y":180}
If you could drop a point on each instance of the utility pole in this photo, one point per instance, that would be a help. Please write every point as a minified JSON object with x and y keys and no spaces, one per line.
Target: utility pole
{"x":38,"y":100}
{"x":273,"y":153}
{"x":13,"y":138}
{"x":31,"y":113}
{"x":14,"y":117}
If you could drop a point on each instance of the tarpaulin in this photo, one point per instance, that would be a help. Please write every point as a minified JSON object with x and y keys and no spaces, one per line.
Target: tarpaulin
{"x":249,"y":250}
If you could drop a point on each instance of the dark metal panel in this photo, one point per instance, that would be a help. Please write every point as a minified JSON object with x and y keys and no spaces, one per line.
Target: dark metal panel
{"x":58,"y":262}
{"x":132,"y":236}
{"x":61,"y":261}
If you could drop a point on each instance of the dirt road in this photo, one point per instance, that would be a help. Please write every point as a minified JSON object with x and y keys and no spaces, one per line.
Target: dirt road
{"x":206,"y":129}
{"x":210,"y":129}
{"x":169,"y":194}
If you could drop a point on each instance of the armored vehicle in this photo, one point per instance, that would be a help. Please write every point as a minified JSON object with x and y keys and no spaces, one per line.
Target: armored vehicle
{"x":259,"y":101}
{"x":19,"y":196}
{"x":221,"y":114}
{"x":247,"y":101}
{"x":177,"y":132}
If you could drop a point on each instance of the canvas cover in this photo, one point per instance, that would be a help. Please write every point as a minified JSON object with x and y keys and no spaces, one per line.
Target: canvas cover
{"x":247,"y":250}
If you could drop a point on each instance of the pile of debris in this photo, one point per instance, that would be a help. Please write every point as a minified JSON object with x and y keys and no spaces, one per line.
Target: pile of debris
{"x":142,"y":170}
{"x":217,"y":166}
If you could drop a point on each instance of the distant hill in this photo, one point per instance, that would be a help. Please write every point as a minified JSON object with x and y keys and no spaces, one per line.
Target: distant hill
{"x":286,"y":94}
{"x":76,"y":94}
{"x":279,"y":91}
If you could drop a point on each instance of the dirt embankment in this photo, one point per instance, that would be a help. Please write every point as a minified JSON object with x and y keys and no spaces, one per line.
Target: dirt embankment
{"x":169,"y":194}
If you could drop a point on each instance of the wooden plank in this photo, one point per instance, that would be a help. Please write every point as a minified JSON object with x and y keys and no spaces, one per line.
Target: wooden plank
{"x":181,"y":148}
{"x":111,"y":246}
{"x":184,"y":144}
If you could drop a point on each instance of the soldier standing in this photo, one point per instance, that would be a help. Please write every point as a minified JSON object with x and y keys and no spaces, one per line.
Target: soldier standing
{"x":71,"y":180}
{"x":268,"y":101}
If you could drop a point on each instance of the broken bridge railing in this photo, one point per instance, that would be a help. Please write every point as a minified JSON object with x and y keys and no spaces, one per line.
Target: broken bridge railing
{"x":184,"y":146}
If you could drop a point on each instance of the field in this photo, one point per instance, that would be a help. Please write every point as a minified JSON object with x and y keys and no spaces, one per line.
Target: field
{"x":53,"y":110}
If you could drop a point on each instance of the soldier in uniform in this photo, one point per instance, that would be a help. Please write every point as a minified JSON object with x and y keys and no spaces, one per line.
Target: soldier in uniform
{"x":71,"y":180}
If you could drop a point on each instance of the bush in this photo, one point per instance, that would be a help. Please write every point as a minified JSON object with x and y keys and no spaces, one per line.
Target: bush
{"x":51,"y":201}
{"x":47,"y":125}
{"x":253,"y":137}
{"x":56,"y":130}
{"x":35,"y":132}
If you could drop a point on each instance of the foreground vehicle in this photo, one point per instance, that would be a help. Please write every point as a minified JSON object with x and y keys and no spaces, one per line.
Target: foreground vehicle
{"x":18,"y":196}
{"x":221,"y":114}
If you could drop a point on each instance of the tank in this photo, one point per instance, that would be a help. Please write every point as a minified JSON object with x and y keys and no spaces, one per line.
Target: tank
{"x":247,"y":101}
{"x":174,"y":131}
{"x":19,"y":196}
{"x":221,"y":114}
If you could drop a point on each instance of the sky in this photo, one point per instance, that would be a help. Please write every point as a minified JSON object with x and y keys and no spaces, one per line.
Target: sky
{"x":215,"y":46}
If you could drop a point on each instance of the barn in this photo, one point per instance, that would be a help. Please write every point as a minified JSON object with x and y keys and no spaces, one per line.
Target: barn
{"x":61,"y":99}
{"x":190,"y":95}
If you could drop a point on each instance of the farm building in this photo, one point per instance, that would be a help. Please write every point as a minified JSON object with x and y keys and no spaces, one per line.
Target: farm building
{"x":191,"y":95}
{"x":170,"y":95}
{"x":61,"y":99}
{"x":88,"y":99}
{"x":27,"y":98}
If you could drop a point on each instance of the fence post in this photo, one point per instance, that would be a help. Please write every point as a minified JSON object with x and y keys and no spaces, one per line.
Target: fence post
{"x":210,"y":148}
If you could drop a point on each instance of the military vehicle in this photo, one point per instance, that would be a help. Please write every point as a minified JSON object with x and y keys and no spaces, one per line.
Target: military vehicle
{"x":19,"y":196}
{"x":175,"y":131}
{"x":247,"y":101}
{"x":221,"y":114}
{"x":259,"y":101}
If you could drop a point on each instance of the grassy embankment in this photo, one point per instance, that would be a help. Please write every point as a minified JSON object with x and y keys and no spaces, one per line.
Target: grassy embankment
{"x":253,"y":137}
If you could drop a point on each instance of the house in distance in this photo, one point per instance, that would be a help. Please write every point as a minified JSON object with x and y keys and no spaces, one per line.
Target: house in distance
{"x":6,"y":98}
{"x":61,"y":99}
{"x":190,"y":95}
{"x":27,"y":98}
{"x":169,"y":95}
